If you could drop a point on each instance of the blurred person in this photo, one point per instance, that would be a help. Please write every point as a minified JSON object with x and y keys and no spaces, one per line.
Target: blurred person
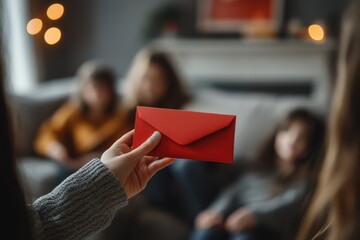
{"x":266,"y":201}
{"x":153,"y":81}
{"x":86,"y":201}
{"x":335,"y":208}
{"x":88,"y":123}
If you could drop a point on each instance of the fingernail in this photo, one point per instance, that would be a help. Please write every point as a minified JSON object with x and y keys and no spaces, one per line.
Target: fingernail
{"x":155,"y":136}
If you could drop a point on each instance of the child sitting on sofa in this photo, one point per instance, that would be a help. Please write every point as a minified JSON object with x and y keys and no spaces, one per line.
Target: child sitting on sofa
{"x":266,"y":200}
{"x":88,"y":123}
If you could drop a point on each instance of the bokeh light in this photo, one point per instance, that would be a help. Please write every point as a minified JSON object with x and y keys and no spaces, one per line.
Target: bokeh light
{"x":52,"y":36}
{"x":34,"y":26}
{"x":316,"y":32}
{"x":55,"y":11}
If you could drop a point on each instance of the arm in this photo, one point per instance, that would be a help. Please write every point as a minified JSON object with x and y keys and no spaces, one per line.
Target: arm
{"x":87,"y":200}
{"x":52,"y":136}
{"x":215,"y":214}
{"x":279,"y":210}
{"x":226,"y":202}
{"x":275,"y":213}
{"x":83,"y":204}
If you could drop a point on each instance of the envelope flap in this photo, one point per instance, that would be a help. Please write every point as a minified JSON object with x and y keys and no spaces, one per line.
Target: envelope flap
{"x":182,"y":126}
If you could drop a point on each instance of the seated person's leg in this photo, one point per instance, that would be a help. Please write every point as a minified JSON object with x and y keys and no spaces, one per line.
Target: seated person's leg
{"x":264,"y":233}
{"x":245,"y":236}
{"x":195,"y":179}
{"x":209,"y":234}
{"x":258,"y":233}
{"x":162,"y":193}
{"x":63,"y":172}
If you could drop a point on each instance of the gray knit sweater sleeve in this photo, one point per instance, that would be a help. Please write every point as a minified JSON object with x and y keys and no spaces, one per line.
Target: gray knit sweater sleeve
{"x":81,"y":205}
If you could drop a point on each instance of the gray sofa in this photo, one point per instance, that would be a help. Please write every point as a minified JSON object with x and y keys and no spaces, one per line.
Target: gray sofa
{"x":256,"y":116}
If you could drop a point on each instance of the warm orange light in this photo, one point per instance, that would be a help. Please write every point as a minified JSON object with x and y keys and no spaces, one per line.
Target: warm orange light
{"x":52,"y":36}
{"x":55,"y":11}
{"x":34,"y":26}
{"x":316,"y":32}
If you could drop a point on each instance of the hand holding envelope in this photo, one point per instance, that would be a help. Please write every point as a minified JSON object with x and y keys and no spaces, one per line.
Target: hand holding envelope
{"x":187,"y":134}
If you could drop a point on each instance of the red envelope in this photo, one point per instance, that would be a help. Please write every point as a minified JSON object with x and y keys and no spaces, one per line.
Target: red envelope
{"x":187,"y":134}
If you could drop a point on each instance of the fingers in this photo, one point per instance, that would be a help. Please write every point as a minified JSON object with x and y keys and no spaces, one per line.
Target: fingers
{"x":159,"y":164}
{"x":123,"y":148}
{"x":231,"y":225}
{"x":147,"y":146}
{"x":149,"y":159}
{"x":202,"y":221}
{"x":208,"y":219}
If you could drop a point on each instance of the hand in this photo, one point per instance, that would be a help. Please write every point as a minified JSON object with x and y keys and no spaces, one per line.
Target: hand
{"x":131,"y":166}
{"x":240,"y":220}
{"x":57,"y":151}
{"x":208,"y":219}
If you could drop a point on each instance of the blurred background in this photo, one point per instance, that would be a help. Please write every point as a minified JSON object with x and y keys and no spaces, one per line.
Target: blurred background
{"x":256,"y":59}
{"x":115,"y":30}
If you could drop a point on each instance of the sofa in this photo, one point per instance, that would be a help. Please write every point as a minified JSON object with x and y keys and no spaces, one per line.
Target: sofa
{"x":257,"y":114}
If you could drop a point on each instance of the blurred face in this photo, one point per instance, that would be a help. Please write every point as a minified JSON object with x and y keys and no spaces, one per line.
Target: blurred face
{"x":97,"y":96}
{"x":291,"y":143}
{"x":153,"y":85}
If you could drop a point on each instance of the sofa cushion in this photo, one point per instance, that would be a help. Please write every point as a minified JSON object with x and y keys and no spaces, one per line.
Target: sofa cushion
{"x":28,"y":114}
{"x":256,"y":114}
{"x":39,"y":176}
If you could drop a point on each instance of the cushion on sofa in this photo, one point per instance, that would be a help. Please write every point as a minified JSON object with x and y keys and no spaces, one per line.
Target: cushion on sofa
{"x":256,"y":114}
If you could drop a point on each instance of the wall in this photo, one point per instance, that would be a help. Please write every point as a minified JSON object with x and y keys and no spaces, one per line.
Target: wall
{"x":107,"y":29}
{"x":113,"y":30}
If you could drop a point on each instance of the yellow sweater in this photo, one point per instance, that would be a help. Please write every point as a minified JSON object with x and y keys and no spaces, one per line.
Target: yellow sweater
{"x":80,"y":136}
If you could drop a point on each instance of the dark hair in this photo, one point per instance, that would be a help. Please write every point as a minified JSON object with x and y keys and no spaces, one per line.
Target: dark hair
{"x":17,"y":223}
{"x":98,"y":73}
{"x":265,"y":158}
{"x":175,"y":96}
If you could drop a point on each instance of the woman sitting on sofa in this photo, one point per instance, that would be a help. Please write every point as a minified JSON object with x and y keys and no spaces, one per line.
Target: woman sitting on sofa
{"x":154,"y":81}
{"x":88,"y":123}
{"x":267,"y":200}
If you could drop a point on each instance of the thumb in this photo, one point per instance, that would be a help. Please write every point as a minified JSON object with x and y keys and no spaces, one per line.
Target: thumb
{"x":147,"y":146}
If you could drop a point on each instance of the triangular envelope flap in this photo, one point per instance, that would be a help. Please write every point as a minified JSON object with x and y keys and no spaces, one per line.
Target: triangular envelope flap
{"x":181,"y":126}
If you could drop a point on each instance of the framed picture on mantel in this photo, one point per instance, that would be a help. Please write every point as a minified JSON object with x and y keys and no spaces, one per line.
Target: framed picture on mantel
{"x":248,"y":17}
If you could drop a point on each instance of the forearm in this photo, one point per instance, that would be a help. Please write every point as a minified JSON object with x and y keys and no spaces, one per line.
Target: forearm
{"x":84,"y":203}
{"x":225,"y":203}
{"x":57,"y":151}
{"x":283,"y":207}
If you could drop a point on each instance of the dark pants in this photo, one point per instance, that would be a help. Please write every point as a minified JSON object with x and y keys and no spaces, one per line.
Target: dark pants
{"x":163,"y":193}
{"x":220,"y":234}
{"x":197,"y":183}
{"x":187,"y":187}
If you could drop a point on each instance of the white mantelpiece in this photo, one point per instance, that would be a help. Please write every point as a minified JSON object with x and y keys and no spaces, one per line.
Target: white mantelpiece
{"x":253,"y":60}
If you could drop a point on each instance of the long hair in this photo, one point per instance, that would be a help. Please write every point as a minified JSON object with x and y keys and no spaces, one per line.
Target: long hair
{"x":335,"y":206}
{"x":17,"y":223}
{"x":175,"y":96}
{"x":99,"y":73}
{"x":266,"y":157}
